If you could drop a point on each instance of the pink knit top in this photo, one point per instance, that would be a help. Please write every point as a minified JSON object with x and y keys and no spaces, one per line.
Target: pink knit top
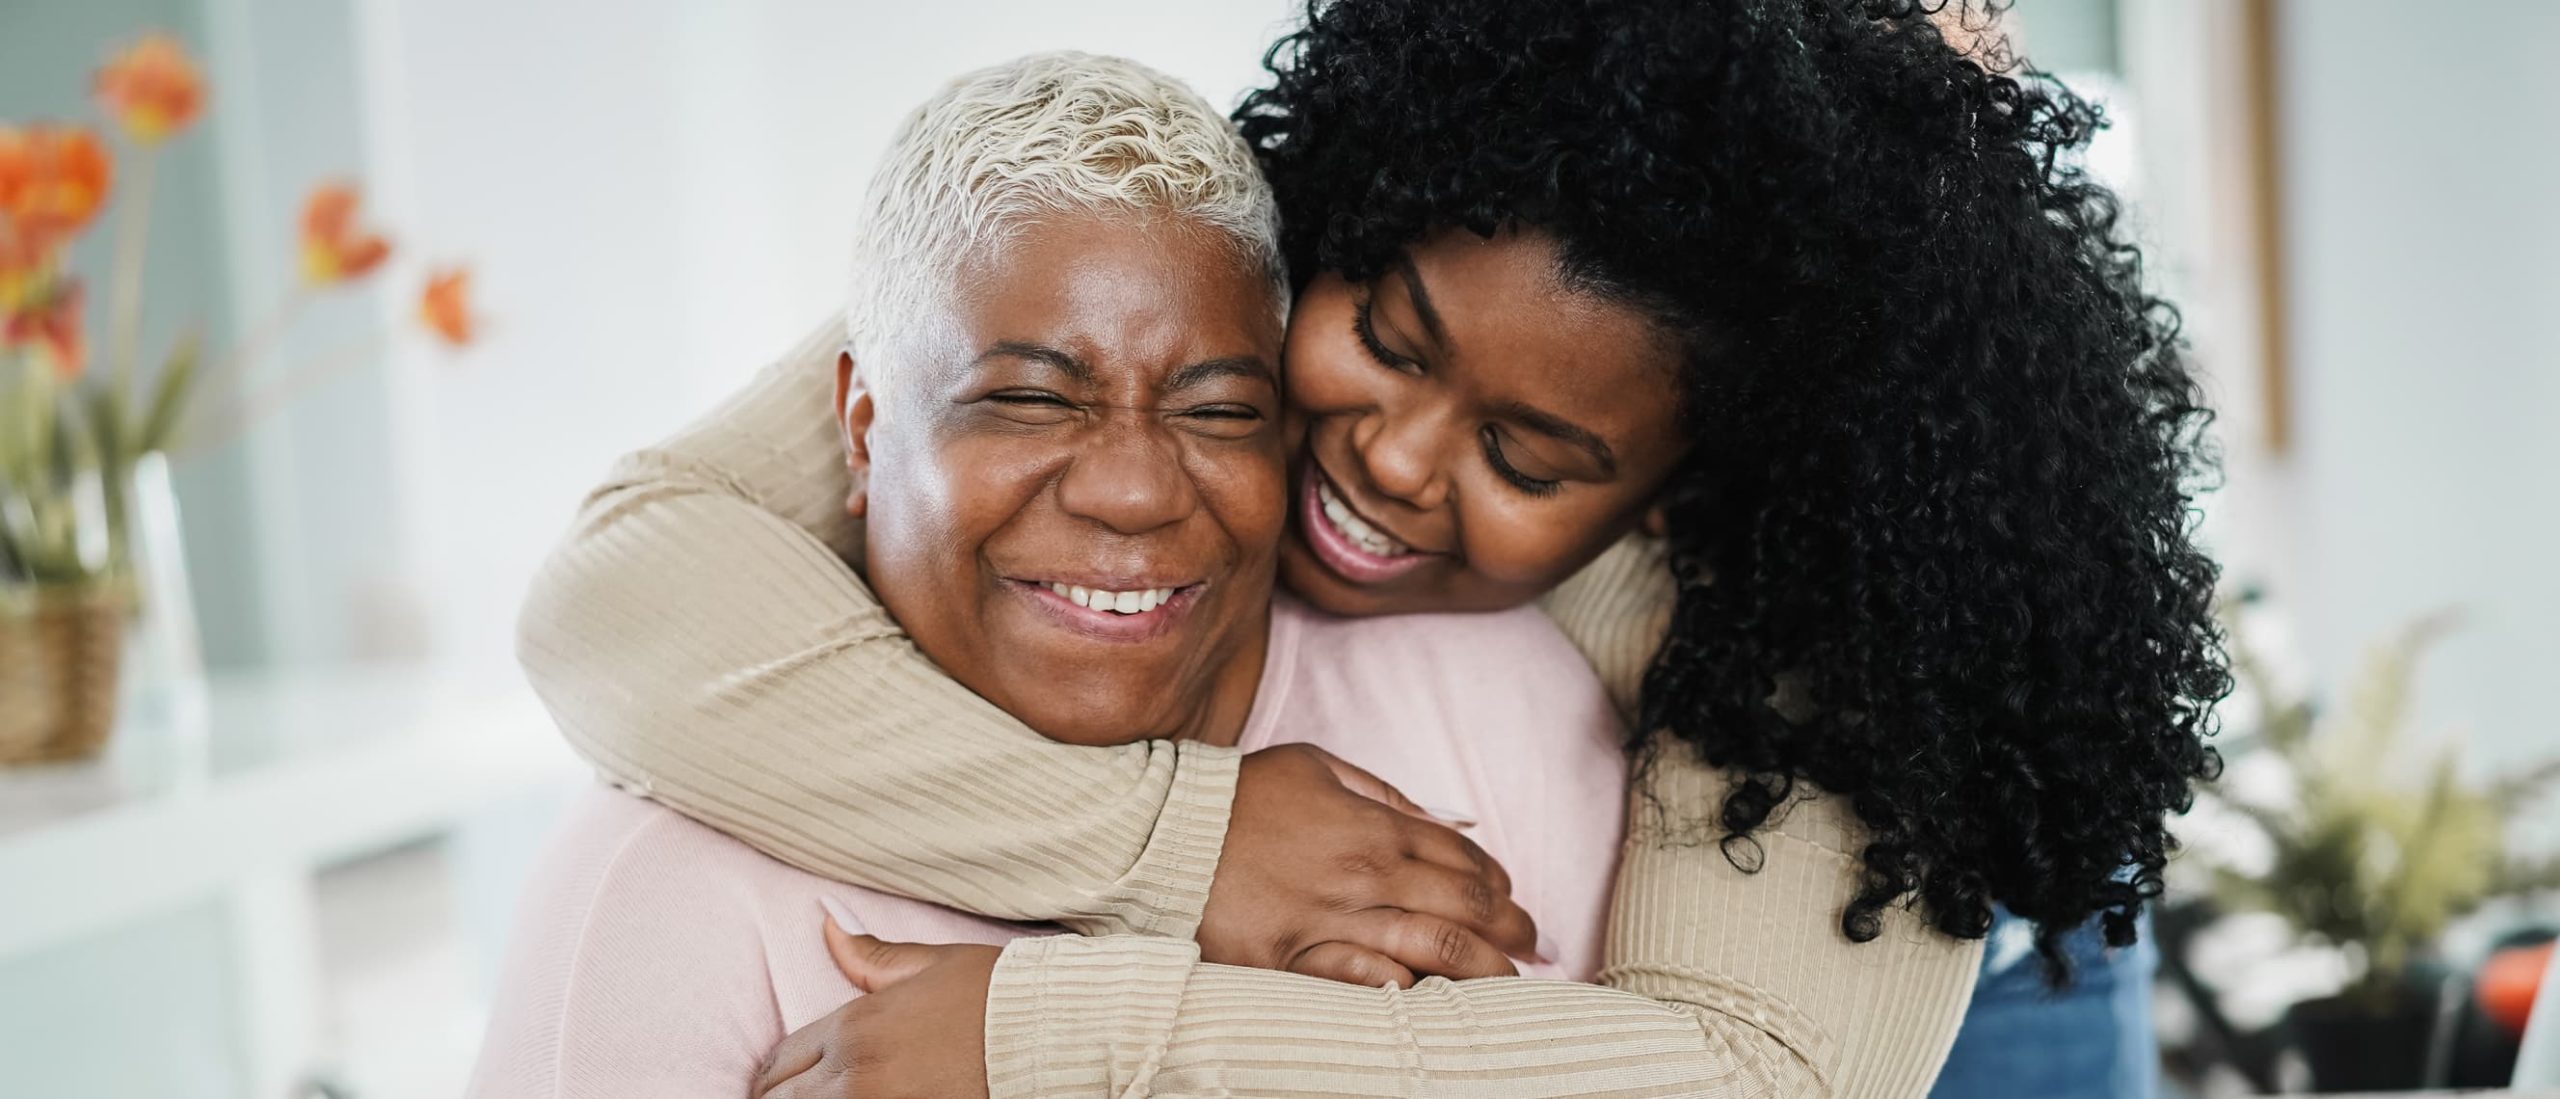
{"x":655,"y":956}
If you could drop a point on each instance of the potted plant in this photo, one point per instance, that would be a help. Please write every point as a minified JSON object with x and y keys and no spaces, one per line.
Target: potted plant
{"x":2375,"y":845}
{"x":73,"y":440}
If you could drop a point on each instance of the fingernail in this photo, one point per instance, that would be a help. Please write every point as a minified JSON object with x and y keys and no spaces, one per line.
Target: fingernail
{"x":1451,"y":818}
{"x":841,"y":915}
{"x":1547,"y":952}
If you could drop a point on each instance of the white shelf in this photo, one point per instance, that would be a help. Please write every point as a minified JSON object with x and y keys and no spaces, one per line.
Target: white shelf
{"x":295,"y":771}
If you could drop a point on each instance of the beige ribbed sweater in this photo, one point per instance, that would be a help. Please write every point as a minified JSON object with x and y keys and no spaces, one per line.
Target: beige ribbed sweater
{"x":699,"y":637}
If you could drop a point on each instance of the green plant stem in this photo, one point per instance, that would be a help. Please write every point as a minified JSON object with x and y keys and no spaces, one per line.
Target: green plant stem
{"x":228,"y":371}
{"x":111,"y":412}
{"x":273,"y":397}
{"x":133,"y":236}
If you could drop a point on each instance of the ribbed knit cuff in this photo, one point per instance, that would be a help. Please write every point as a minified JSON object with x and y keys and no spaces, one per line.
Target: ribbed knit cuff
{"x":1164,"y":893}
{"x":1068,"y":1015}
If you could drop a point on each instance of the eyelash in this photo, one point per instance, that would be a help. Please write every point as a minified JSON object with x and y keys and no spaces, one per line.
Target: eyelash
{"x":1534,"y":486}
{"x":1362,"y":326}
{"x":1036,"y":398}
{"x":1226,"y":412}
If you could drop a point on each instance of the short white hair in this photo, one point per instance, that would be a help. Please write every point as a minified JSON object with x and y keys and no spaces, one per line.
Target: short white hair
{"x":1048,"y":133}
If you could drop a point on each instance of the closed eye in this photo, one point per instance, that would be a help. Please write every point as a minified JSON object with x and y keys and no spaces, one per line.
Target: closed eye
{"x":1225,"y":412}
{"x":1029,"y":397}
{"x":1224,"y":421}
{"x":1032,"y":406}
{"x":1365,"y":326}
{"x":1502,"y":467}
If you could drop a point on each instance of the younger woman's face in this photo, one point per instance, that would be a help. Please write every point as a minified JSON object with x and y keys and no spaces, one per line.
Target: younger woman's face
{"x":1474,"y":431}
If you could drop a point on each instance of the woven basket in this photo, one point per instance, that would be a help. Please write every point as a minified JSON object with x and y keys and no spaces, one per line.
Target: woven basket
{"x":27,"y":702}
{"x":58,"y":667}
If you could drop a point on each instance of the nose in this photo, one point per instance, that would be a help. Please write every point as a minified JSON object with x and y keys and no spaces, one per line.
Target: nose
{"x":1401,"y":446}
{"x":1128,"y":477}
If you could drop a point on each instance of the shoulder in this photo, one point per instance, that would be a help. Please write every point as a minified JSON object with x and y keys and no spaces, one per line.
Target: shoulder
{"x":1506,"y":684}
{"x":1522,"y":637}
{"x":633,"y":849}
{"x":638,"y":960}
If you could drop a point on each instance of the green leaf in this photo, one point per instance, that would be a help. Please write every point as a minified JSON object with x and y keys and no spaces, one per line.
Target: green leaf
{"x":169,"y":394}
{"x":2518,"y":792}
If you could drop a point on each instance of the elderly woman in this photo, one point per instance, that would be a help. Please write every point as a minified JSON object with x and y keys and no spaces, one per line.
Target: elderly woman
{"x":1065,"y":439}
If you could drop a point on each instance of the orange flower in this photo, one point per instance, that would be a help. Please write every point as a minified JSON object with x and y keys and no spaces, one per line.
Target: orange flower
{"x":51,"y":325}
{"x":445,"y":307}
{"x":23,"y":271}
{"x":17,"y":171}
{"x":52,"y":181}
{"x":333,"y":249}
{"x":152,"y":89}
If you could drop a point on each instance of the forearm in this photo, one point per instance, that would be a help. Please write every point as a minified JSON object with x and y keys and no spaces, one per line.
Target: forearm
{"x":1720,"y":983}
{"x":1235,"y":1031}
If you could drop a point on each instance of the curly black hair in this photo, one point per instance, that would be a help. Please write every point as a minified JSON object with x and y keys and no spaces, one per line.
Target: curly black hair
{"x":1947,"y":442}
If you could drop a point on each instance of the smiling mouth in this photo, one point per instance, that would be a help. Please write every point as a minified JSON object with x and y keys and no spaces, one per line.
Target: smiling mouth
{"x":1347,"y":543}
{"x":1129,"y":613}
{"x":1114,"y":602}
{"x":1366,"y":537}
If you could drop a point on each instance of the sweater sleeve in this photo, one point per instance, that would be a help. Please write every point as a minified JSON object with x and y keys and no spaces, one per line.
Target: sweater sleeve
{"x":1615,"y":610}
{"x":701,"y":640}
{"x":1719,"y":983}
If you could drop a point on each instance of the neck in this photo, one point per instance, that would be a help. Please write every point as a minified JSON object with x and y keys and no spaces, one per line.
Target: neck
{"x":1221,"y":719}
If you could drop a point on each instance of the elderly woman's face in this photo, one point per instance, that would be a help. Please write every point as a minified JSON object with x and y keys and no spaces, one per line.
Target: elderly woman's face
{"x":1074,"y":482}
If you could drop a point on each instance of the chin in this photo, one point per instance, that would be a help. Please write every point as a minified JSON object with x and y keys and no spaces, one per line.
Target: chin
{"x":1059,"y":704}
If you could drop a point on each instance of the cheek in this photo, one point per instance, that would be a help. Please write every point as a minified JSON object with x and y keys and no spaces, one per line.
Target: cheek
{"x":1531,"y":544}
{"x":1247,"y":493}
{"x":1328,"y":369}
{"x":939,"y":498}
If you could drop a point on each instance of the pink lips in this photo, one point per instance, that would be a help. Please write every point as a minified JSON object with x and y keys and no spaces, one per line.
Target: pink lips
{"x":1336,"y":549}
{"x":1105,"y":625}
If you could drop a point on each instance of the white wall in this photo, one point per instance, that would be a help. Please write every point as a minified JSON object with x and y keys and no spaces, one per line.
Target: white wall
{"x":2424,"y":248}
{"x":657,"y":196}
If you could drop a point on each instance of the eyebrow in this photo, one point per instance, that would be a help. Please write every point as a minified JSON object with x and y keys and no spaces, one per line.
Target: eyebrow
{"x":1232,"y":366}
{"x":1044,"y":354}
{"x":1421,"y":296}
{"x":1563,"y":430}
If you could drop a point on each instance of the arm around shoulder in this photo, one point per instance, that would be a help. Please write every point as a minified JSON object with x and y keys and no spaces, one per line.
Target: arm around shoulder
{"x":1719,"y":983}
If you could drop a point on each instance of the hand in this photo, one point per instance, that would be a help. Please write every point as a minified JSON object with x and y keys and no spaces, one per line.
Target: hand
{"x":1330,"y":872}
{"x":919,"y":1029}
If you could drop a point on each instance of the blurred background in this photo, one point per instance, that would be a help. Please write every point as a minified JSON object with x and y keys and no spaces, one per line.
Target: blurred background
{"x":443,"y":260}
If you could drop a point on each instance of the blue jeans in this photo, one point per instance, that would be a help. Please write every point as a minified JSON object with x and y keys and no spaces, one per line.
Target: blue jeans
{"x":2092,"y":1040}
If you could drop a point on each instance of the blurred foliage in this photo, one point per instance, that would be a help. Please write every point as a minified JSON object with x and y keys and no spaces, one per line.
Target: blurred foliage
{"x":2379,"y":843}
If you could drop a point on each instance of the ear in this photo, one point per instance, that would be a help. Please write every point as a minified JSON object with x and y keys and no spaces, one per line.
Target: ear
{"x":1657,"y":522}
{"x":854,"y":415}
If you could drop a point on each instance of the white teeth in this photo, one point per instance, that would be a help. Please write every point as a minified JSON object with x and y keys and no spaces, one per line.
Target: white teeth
{"x":1116,"y":602}
{"x":1371,"y":540}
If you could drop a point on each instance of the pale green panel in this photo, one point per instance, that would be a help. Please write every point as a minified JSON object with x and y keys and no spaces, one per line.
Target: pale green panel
{"x":48,"y":51}
{"x":2070,"y":36}
{"x":140,"y":1010}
